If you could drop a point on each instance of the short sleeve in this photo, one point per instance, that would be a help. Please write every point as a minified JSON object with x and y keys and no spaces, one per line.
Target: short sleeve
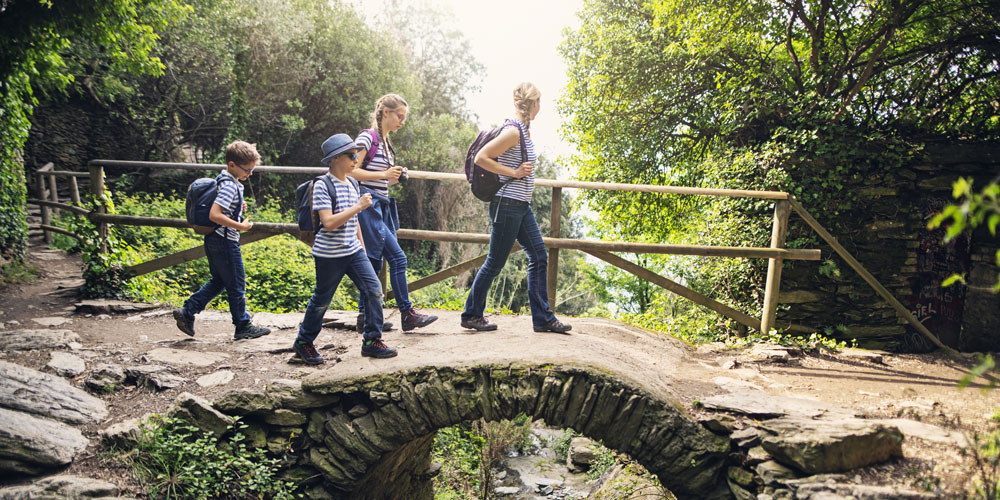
{"x":227,"y":193}
{"x":321,"y":196}
{"x":364,"y":139}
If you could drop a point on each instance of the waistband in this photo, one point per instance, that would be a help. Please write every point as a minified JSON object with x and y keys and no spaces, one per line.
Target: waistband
{"x":503,"y":200}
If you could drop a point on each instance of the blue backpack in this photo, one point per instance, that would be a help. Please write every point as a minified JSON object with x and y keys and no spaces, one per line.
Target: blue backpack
{"x":308,"y":219}
{"x":485,"y":184}
{"x":200,"y":197}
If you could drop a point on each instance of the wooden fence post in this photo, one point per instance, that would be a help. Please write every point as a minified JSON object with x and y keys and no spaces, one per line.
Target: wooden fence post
{"x":53,"y":189}
{"x":97,"y":189}
{"x":74,"y":190}
{"x":555,"y":219}
{"x":46,"y":211}
{"x":778,"y":233}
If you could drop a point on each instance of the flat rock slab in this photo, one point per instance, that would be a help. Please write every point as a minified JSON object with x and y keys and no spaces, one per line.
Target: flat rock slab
{"x":26,"y":340}
{"x":760,"y":405}
{"x":108,"y":306}
{"x":180,"y":357}
{"x":277,"y":321}
{"x":29,"y":444}
{"x":65,"y":487}
{"x":65,"y":364}
{"x":51,"y":321}
{"x":927,"y":432}
{"x":816,"y":446}
{"x":42,"y":394}
{"x":273,"y":344}
{"x":220,"y":377}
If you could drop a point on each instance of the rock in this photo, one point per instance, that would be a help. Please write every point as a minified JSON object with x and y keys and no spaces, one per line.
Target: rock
{"x":105,"y":378}
{"x":103,"y":316}
{"x":771,"y":472}
{"x":506,"y":491}
{"x":862,"y":355}
{"x":136,"y":373}
{"x":620,"y":482}
{"x":244,"y":402}
{"x":64,"y":487}
{"x":221,"y":377}
{"x":289,"y":394}
{"x":181,"y":357}
{"x":46,"y":395}
{"x":719,"y":424}
{"x":736,"y":385}
{"x":927,"y":432}
{"x":123,"y":435}
{"x":200,"y":413}
{"x":99,"y":306}
{"x":830,"y":445}
{"x":26,"y":340}
{"x":830,"y":489}
{"x":51,"y":321}
{"x":285,"y":418}
{"x":163,"y":381}
{"x":29,"y":444}
{"x":756,"y":404}
{"x":146,"y":315}
{"x":581,"y":453}
{"x":277,"y":321}
{"x":65,"y":364}
{"x":756,"y":455}
{"x":767,"y":352}
{"x":358,"y":411}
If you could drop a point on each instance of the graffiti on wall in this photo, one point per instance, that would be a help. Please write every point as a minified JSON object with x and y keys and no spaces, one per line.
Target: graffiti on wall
{"x":938,"y":308}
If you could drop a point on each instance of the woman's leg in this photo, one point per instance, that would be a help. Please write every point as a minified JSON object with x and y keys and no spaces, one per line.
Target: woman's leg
{"x":507,"y":223}
{"x":396,"y":259}
{"x":530,"y":239}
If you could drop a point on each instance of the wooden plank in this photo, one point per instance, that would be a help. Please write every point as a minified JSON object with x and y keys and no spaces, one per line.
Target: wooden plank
{"x":46,"y":211}
{"x":677,"y":288}
{"x":53,"y":192}
{"x":56,"y":229}
{"x":772,"y":287}
{"x":444,"y":274}
{"x":555,"y":219}
{"x":865,"y":275}
{"x":97,"y":189}
{"x":186,"y":256}
{"x":74,"y":191}
{"x":457,"y":177}
{"x":46,"y":203}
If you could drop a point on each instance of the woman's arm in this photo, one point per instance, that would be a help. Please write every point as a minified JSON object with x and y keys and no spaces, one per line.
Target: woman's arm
{"x":392,"y":174}
{"x":506,"y":140}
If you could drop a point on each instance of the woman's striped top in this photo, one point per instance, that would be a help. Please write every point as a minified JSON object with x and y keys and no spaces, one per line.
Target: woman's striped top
{"x":380,"y":162}
{"x":518,"y":189}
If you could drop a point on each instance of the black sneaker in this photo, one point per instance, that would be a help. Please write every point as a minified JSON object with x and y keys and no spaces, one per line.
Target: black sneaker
{"x":377,"y":349}
{"x":554,"y":326}
{"x":386,"y":325}
{"x":250,"y":331}
{"x":307,"y":352}
{"x":479,"y":324}
{"x":185,"y":323}
{"x":412,"y":319}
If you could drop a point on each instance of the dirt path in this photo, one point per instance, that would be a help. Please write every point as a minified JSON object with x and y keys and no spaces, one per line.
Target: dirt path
{"x":921,"y":387}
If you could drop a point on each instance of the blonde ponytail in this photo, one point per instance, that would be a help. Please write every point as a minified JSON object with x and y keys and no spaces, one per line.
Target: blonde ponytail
{"x":526,"y":94}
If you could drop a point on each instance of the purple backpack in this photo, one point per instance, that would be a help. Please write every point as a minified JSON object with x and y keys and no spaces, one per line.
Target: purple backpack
{"x":372,"y":150}
{"x":485,"y":184}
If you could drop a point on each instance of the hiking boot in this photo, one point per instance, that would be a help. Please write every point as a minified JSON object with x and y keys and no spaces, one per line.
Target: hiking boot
{"x":377,"y":349}
{"x":386,"y":325}
{"x":554,"y":326}
{"x":249,"y":330}
{"x":307,"y":352}
{"x":479,"y":324}
{"x":412,"y":319}
{"x":185,"y":322}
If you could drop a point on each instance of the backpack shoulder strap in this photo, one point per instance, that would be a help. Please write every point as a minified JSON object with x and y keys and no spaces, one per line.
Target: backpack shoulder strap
{"x":370,"y":154}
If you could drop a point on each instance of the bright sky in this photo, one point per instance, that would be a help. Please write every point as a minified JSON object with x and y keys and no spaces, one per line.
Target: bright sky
{"x":516,"y":41}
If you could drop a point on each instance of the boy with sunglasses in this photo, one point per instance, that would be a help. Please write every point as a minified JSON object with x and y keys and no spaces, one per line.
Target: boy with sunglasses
{"x":222,"y":247}
{"x":339,"y":250}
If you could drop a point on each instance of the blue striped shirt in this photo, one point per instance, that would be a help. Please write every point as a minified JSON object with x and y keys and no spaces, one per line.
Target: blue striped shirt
{"x":380,"y":162}
{"x":230,"y":198}
{"x":518,"y":189}
{"x":342,"y":241}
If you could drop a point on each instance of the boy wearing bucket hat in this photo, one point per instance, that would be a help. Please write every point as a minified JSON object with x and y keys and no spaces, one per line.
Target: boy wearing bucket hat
{"x":338,"y":250}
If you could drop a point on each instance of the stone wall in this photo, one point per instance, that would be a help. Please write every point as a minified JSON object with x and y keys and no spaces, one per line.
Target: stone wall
{"x":888,"y":235}
{"x":371,"y":437}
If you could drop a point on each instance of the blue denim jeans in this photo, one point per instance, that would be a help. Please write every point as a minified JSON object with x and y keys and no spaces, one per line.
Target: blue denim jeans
{"x":329,"y":272}
{"x":225,"y":262}
{"x":394,"y":255}
{"x":512,"y":220}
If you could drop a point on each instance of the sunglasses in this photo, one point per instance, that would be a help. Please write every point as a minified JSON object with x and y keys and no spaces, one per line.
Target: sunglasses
{"x":352,"y":155}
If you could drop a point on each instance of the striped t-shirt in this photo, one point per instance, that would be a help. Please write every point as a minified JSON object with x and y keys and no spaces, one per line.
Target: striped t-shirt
{"x":230,"y":198}
{"x":342,"y":241}
{"x":380,"y":162}
{"x":518,"y":189}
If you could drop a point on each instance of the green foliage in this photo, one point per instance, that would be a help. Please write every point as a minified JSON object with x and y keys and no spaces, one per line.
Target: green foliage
{"x":604,"y":459}
{"x":470,"y":451}
{"x":560,"y":444}
{"x":813,"y":342}
{"x":175,"y":460}
{"x":15,"y":96}
{"x":986,"y":365}
{"x":16,"y":272}
{"x":971,"y":211}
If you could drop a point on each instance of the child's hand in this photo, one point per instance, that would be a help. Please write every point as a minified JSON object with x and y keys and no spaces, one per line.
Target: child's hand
{"x":393,"y":173}
{"x":246,"y":224}
{"x":365,"y":201}
{"x":245,"y":207}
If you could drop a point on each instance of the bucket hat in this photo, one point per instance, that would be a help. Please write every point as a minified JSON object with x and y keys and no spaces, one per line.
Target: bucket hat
{"x":336,"y":145}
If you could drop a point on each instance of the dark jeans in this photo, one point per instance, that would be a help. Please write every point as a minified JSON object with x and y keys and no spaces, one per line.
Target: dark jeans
{"x":512,"y":220}
{"x":225,"y":261}
{"x":394,"y":255}
{"x":329,"y":272}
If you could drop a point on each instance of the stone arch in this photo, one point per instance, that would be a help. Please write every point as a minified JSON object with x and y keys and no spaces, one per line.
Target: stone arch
{"x":363,"y":434}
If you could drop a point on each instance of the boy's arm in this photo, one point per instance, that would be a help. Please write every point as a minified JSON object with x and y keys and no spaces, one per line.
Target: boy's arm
{"x":215,"y":215}
{"x":332,"y":220}
{"x":361,"y":239}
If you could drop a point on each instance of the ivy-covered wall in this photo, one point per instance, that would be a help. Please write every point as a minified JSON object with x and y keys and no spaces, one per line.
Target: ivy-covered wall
{"x":892,"y":241}
{"x":14,"y":126}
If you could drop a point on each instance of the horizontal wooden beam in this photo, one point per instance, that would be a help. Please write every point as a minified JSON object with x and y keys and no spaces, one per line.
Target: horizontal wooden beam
{"x":459,"y":177}
{"x":60,"y":230}
{"x":62,"y":206}
{"x":186,"y":256}
{"x":448,"y":273}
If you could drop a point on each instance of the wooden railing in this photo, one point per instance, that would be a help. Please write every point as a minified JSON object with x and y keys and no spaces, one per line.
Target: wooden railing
{"x":776,"y":253}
